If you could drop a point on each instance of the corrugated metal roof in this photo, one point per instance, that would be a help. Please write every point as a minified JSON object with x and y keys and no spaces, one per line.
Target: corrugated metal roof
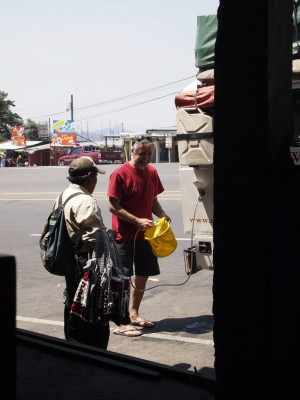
{"x":33,"y":149}
{"x":8,"y":146}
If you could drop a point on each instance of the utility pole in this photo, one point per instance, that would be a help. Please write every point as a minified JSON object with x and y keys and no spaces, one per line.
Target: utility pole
{"x":71,"y":107}
{"x":49,"y":129}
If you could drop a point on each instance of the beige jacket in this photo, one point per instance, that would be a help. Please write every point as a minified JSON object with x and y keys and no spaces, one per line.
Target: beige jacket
{"x":83,"y":218}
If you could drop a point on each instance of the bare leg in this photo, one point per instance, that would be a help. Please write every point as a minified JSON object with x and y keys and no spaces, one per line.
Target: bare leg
{"x":136,"y":296}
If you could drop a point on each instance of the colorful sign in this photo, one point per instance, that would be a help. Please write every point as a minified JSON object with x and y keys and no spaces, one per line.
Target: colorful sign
{"x":17,"y":131}
{"x":18,"y":136}
{"x":64,"y":126}
{"x":63,"y":139}
{"x":18,"y":141}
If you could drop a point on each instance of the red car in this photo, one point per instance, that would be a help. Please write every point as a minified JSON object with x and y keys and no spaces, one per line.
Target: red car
{"x":80,"y":151}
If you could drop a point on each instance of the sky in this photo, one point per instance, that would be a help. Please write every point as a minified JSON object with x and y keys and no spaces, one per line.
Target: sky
{"x":122,"y":61}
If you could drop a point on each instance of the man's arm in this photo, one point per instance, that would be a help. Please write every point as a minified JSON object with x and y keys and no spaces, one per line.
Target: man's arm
{"x":158,"y":210}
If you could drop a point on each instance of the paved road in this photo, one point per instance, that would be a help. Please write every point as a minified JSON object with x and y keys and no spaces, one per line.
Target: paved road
{"x":181,"y":307}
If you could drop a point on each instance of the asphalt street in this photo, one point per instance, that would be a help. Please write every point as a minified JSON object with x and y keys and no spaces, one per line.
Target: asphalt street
{"x":180,"y":306}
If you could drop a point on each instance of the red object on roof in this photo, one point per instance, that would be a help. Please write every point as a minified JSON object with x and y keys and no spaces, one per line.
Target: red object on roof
{"x":205,"y":98}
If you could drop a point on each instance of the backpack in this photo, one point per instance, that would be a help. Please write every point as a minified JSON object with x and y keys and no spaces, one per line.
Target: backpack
{"x":56,"y":250}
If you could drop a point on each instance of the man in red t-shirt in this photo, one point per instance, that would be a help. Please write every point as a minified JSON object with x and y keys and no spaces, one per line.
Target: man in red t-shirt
{"x":133,"y":190}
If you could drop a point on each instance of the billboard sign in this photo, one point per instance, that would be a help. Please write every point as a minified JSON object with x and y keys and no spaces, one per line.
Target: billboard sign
{"x":64,"y":126}
{"x":63,"y":139}
{"x":18,"y":136}
{"x":43,"y":129}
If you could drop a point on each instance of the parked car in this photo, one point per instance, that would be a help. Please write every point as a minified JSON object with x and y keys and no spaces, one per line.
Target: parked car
{"x":80,"y":151}
{"x":108,"y":157}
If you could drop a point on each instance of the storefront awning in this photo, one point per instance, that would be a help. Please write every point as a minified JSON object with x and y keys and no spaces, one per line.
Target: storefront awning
{"x":32,"y":150}
{"x":8,"y":146}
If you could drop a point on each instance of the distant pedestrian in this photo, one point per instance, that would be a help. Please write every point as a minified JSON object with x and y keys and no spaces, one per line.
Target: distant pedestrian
{"x":3,"y":160}
{"x":18,"y":160}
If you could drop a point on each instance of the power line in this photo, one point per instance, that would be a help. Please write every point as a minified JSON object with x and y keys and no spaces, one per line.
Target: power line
{"x":126,"y":108}
{"x":119,"y":99}
{"x":133,"y":94}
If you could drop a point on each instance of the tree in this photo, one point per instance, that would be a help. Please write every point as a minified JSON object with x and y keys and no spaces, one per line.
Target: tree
{"x":31,"y":130}
{"x":7,"y":117}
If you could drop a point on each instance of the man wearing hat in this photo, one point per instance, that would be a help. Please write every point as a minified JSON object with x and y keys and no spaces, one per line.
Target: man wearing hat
{"x":83,"y":220}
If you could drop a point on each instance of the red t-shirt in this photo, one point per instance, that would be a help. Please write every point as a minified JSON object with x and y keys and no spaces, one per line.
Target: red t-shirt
{"x":136,"y":191}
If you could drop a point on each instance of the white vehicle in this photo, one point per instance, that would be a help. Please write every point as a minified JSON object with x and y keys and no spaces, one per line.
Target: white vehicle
{"x":195,"y":150}
{"x":194,"y":121}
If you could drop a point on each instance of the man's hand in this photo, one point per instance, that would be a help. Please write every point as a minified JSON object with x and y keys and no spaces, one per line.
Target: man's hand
{"x":144,"y":223}
{"x":168,"y":218}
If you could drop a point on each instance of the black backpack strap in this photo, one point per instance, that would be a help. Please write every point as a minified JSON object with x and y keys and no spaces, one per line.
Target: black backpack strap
{"x":60,"y":199}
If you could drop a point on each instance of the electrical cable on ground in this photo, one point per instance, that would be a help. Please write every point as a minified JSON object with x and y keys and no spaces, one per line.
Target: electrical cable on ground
{"x":188,"y":273}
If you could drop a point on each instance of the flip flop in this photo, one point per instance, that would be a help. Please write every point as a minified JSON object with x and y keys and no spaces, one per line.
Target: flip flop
{"x":143,"y":323}
{"x":128,"y":332}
